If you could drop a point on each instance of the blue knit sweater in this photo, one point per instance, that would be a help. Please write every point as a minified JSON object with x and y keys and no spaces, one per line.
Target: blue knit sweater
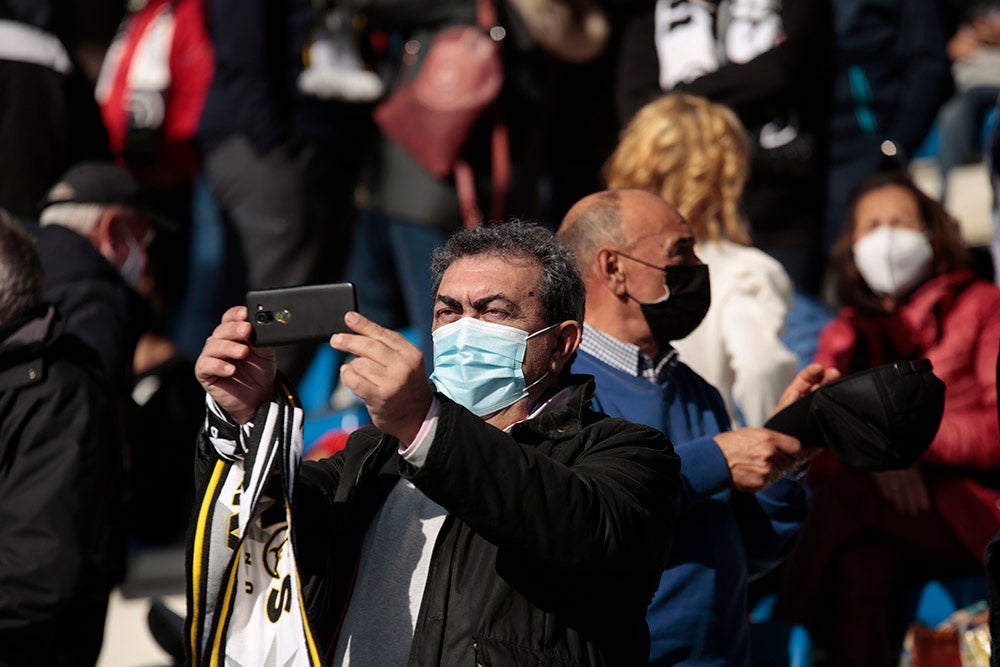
{"x":698,"y":615}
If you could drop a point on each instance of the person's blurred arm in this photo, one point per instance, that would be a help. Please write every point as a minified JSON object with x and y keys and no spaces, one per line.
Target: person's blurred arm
{"x":753,"y":320}
{"x":906,"y":490}
{"x":87,"y":29}
{"x":926,"y":81}
{"x":969,"y":435}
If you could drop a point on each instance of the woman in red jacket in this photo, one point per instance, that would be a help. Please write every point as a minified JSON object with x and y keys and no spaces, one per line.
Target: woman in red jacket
{"x":906,"y":292}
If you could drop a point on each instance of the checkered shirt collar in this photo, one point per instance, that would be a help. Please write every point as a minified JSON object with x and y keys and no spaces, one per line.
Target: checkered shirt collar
{"x":627,"y":357}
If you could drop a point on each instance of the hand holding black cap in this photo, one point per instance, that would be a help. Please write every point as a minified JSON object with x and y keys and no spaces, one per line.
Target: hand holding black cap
{"x":883,"y":418}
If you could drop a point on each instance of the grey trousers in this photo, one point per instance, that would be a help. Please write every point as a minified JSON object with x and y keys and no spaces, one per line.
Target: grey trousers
{"x":291,"y":211}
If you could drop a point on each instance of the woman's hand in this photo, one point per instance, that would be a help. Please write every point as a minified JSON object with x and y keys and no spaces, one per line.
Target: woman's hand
{"x":906,"y":490}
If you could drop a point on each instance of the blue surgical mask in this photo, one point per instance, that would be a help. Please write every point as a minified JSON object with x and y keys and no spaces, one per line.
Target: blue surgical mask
{"x":477,"y":364}
{"x":135,"y":262}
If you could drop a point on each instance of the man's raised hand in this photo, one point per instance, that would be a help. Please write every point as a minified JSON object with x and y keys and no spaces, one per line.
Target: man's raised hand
{"x":387,"y":373}
{"x":239,"y":377}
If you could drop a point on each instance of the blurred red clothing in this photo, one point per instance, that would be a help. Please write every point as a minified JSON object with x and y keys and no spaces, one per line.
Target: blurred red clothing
{"x":152,"y":88}
{"x":953,"y":320}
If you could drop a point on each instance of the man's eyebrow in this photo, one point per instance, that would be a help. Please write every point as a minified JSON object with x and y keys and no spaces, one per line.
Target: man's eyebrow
{"x":449,"y":301}
{"x":480,"y":304}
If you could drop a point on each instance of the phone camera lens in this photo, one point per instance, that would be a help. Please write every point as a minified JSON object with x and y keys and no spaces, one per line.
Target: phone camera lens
{"x":264,"y":317}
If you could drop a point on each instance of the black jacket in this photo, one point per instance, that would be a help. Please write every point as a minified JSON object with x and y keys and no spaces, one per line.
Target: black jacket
{"x":792,"y":77}
{"x":259,"y":47}
{"x":61,"y":548}
{"x":785,"y":196}
{"x":98,"y":305}
{"x":73,"y":22}
{"x":560,"y":528}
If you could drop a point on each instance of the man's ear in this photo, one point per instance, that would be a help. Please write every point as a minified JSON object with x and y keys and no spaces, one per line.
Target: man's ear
{"x":109,"y":237}
{"x":609,"y":271}
{"x":568,"y":338}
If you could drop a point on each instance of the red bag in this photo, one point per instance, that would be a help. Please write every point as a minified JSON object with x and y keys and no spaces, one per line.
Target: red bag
{"x":432,"y":115}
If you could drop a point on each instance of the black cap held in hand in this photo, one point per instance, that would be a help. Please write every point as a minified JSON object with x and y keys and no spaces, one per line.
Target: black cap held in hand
{"x":883,"y":418}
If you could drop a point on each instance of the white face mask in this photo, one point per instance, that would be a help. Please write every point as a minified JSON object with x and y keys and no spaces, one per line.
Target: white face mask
{"x":893,"y":260}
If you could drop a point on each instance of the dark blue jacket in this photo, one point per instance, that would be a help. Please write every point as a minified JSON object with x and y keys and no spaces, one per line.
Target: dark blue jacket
{"x":892,"y":72}
{"x":254,"y":92}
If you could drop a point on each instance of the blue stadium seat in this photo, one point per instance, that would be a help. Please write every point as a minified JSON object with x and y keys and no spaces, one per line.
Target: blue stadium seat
{"x":777,"y":643}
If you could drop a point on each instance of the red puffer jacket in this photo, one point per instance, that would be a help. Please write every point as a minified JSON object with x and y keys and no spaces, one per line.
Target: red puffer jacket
{"x":953,"y":320}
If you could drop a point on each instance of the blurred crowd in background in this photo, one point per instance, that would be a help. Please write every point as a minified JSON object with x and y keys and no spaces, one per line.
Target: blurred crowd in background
{"x":208,"y":147}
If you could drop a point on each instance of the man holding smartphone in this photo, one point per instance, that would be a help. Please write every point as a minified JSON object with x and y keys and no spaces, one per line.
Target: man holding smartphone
{"x":490,"y":515}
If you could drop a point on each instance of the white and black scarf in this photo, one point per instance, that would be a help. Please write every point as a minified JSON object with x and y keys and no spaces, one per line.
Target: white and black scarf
{"x":244,"y":596}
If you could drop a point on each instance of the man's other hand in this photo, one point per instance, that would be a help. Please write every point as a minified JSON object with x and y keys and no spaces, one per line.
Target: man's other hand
{"x":906,"y":490}
{"x":758,"y":457}
{"x":387,"y":373}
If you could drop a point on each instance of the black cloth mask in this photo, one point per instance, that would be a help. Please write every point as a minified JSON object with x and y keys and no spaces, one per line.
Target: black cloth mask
{"x":689,"y":295}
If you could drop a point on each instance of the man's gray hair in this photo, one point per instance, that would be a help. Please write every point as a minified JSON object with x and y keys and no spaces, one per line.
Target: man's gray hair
{"x":81,"y":218}
{"x":561,"y":289}
{"x":22,"y":278}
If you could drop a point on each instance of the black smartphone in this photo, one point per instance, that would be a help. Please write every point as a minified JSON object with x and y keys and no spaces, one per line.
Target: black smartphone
{"x":308,"y":313}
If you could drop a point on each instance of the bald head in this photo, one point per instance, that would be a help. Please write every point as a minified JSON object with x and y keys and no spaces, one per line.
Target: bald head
{"x":610,"y":218}
{"x":593,"y":221}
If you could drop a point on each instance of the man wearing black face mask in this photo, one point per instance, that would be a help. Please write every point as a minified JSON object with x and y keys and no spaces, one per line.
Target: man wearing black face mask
{"x":740,"y":512}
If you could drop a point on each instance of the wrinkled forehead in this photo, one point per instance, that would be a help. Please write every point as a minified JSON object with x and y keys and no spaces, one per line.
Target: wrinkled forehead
{"x":518,"y":278}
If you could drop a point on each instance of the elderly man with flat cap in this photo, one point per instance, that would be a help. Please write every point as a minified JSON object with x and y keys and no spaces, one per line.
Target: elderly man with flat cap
{"x":94,"y":234}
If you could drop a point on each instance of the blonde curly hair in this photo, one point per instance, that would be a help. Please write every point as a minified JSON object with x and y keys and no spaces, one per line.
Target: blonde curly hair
{"x":695,"y":155}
